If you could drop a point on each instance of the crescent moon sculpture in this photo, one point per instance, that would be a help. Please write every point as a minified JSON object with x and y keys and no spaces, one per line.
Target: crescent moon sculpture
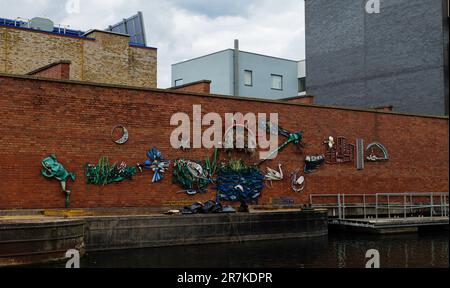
{"x":124,"y":138}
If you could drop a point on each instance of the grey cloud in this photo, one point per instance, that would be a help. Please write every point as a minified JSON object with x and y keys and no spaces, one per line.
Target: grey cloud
{"x":214,"y":8}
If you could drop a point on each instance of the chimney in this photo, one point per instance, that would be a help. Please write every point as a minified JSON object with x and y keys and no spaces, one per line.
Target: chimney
{"x":236,"y":67}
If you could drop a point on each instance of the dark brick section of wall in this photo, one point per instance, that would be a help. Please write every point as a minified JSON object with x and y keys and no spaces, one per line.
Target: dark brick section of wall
{"x":74,"y":121}
{"x":202,"y":86}
{"x":370,"y":60}
{"x":58,"y":70}
{"x":300,"y":100}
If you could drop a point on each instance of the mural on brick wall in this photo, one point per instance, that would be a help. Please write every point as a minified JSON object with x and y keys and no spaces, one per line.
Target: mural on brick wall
{"x":234,"y":180}
{"x":104,"y":173}
{"x":156,"y":163}
{"x":293,"y":137}
{"x":53,"y":169}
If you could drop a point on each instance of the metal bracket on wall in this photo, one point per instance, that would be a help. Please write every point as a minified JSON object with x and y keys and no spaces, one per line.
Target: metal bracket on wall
{"x":360,"y":154}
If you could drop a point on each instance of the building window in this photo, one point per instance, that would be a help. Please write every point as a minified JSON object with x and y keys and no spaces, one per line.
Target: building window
{"x":277,"y":82}
{"x":301,"y":84}
{"x":248,"y":78}
{"x":179,"y":82}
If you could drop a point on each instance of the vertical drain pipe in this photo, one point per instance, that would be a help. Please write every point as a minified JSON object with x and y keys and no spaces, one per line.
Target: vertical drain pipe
{"x":236,"y":68}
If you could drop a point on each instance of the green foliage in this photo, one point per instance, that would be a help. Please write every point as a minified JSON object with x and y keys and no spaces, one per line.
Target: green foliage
{"x":195,"y":176}
{"x":105,"y":173}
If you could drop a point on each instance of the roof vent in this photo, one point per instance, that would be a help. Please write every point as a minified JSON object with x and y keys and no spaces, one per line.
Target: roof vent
{"x":42,"y":24}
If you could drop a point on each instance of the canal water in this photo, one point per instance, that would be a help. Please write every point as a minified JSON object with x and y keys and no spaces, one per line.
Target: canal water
{"x":420,"y":250}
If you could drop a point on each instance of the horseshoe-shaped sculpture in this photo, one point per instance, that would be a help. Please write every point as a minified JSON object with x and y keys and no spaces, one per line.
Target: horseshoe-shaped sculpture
{"x":373,"y":157}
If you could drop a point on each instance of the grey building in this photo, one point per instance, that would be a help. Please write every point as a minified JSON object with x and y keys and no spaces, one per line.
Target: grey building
{"x":247,"y":75}
{"x":396,"y":57}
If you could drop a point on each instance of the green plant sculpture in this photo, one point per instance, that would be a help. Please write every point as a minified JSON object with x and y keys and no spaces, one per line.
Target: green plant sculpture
{"x":105,"y":173}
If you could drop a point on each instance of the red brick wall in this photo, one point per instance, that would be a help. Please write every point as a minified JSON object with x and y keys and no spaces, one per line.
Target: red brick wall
{"x":74,"y":122}
{"x":58,"y":70}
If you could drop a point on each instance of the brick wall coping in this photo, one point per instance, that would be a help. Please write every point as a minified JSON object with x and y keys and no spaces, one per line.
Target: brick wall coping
{"x":190,"y":84}
{"x":86,"y":83}
{"x":49,"y":66}
{"x":297,"y":97}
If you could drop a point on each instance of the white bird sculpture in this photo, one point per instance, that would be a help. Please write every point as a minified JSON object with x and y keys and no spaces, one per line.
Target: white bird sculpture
{"x":273,"y":175}
{"x":330,"y":142}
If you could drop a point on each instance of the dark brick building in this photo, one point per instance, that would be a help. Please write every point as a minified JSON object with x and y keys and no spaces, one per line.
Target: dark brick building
{"x":397,"y":57}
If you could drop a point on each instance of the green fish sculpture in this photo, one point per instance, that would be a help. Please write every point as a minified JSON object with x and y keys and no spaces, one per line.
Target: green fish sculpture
{"x":53,"y":169}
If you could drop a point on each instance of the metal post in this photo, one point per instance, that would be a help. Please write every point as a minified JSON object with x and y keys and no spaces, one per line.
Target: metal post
{"x":445,"y":205}
{"x":376,"y":206}
{"x":432,"y":205}
{"x":404,"y":206}
{"x":365,"y":212}
{"x":339,"y":206}
{"x":343,"y":206}
{"x":388,"y":207}
{"x":411,"y":203}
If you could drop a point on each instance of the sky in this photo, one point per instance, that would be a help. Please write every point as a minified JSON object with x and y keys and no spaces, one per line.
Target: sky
{"x":184,"y":29}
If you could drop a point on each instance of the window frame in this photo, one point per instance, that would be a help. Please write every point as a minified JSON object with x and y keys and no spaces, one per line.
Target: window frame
{"x":251,"y":78}
{"x":271,"y":82}
{"x":302,"y":81}
{"x":175,"y":82}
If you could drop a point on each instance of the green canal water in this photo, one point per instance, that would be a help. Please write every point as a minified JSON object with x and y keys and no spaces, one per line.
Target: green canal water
{"x":420,"y":250}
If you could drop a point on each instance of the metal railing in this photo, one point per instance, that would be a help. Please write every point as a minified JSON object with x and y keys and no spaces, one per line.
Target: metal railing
{"x":386,"y":203}
{"x":26,"y":23}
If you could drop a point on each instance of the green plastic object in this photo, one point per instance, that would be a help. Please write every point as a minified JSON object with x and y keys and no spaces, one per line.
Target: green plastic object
{"x":53,"y":169}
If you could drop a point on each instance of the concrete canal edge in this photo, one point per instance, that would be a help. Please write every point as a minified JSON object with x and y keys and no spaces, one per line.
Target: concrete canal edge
{"x":30,"y":241}
{"x":25,"y":242}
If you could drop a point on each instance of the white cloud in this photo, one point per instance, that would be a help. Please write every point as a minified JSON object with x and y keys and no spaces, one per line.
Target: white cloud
{"x":184,"y":29}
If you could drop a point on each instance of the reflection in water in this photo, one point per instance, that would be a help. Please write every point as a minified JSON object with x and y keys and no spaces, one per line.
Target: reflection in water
{"x":336,"y":250}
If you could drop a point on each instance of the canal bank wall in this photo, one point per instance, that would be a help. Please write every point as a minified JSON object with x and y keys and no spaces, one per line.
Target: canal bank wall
{"x":38,"y":240}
